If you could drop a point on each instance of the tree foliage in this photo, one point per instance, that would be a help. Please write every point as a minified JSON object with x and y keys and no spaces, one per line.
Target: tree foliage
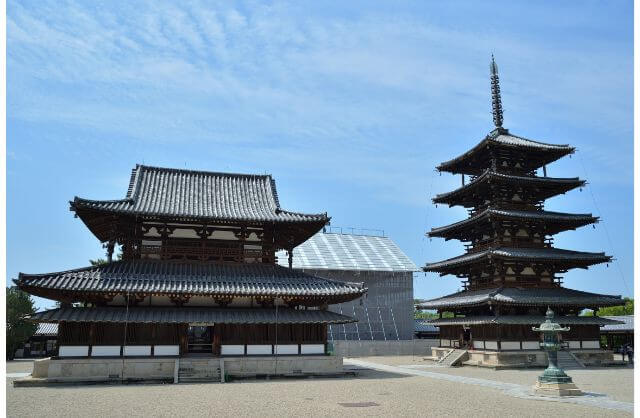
{"x":19,"y":304}
{"x":98,"y":261}
{"x":626,"y":309}
{"x":423,"y":314}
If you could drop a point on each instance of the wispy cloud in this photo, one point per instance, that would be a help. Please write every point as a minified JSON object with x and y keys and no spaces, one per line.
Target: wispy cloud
{"x":229,"y":75}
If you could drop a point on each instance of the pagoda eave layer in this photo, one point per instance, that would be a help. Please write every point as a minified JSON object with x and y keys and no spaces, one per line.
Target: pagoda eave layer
{"x":542,"y":187}
{"x":522,"y":320}
{"x":553,"y":222}
{"x":562,"y":259}
{"x":501,"y":141}
{"x":554,"y":296}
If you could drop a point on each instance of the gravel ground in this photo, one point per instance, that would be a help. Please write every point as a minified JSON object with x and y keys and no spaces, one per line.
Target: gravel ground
{"x":373,"y":393}
{"x":616,"y":382}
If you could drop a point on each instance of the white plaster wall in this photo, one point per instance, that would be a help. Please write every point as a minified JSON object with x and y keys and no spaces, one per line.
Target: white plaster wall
{"x":105,"y":350}
{"x":530,"y":345}
{"x":166,"y":350}
{"x":491,"y":345}
{"x":591,"y":344}
{"x":231,"y":350}
{"x":574,"y":344}
{"x":137,"y":350}
{"x":312,"y":348}
{"x":478,"y":345}
{"x":286,"y":349}
{"x":73,"y":351}
{"x":510,"y":345}
{"x":258,"y":349}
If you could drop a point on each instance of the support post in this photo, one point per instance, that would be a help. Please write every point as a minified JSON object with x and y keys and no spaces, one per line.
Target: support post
{"x":290,"y":252}
{"x":110,"y":247}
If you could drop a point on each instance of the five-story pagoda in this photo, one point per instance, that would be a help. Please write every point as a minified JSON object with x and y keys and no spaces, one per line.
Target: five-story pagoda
{"x":510,"y":268}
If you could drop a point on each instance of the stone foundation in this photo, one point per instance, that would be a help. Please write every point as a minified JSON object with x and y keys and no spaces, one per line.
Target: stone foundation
{"x":556,"y":389}
{"x":524,"y":358}
{"x":284,"y":366}
{"x":416,"y":347}
{"x":104,"y":370}
{"x":594,"y":357}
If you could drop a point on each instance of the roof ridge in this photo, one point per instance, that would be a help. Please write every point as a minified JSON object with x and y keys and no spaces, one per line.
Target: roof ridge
{"x":205,"y":172}
{"x":530,"y":140}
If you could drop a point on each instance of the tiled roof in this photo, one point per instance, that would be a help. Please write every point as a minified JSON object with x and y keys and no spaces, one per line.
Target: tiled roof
{"x":187,"y":194}
{"x":331,"y":251}
{"x":521,"y":320}
{"x":531,"y":254}
{"x":190,"y":278}
{"x":517,"y":141}
{"x":47,"y":329}
{"x":424,"y":325}
{"x":501,"y":138}
{"x":557,"y":296}
{"x":171,"y":315}
{"x":625,"y":325}
{"x":551,"y":185}
{"x":567,"y":219}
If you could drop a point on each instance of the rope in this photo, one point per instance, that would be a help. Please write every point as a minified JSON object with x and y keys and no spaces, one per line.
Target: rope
{"x":606,"y":230}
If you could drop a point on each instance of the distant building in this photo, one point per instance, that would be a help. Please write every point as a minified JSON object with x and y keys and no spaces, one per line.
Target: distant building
{"x":617,"y":335}
{"x":386,"y":312}
{"x":42,"y":343}
{"x":423,"y":329}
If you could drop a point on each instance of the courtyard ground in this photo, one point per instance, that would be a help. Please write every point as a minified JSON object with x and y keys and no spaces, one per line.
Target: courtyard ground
{"x":400,"y":390}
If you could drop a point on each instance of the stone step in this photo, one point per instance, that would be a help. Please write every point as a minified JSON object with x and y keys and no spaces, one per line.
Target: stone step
{"x":198,"y":379}
{"x":454,"y":357}
{"x":567,"y":361}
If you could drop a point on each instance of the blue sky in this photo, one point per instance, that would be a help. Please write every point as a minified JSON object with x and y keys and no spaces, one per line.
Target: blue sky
{"x":350,"y":107}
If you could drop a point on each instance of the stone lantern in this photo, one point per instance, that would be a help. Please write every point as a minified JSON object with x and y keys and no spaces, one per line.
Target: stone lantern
{"x":553,"y":381}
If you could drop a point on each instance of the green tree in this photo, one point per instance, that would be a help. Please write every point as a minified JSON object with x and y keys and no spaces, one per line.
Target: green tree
{"x":626,"y":309}
{"x":98,"y":261}
{"x":19,"y":304}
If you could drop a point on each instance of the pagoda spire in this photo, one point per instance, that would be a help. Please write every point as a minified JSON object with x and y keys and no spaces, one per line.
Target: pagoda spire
{"x":496,"y":100}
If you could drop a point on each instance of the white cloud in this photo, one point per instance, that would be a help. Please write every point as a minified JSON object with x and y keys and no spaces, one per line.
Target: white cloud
{"x":373,"y":89}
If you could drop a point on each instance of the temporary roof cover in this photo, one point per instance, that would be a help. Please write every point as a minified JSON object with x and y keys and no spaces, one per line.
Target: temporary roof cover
{"x":333,"y":251}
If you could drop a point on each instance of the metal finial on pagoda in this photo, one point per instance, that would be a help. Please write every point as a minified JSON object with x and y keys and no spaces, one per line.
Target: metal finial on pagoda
{"x":496,"y":100}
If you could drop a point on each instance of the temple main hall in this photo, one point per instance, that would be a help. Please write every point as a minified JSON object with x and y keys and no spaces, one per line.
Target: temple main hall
{"x":196,"y":279}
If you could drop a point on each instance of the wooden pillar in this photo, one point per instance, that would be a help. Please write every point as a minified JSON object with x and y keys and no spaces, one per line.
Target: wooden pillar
{"x":154,"y":336}
{"x":216,"y":339}
{"x":92,"y":334}
{"x":110,"y":247}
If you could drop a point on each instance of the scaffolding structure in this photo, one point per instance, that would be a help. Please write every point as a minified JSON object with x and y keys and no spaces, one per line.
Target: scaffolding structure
{"x":374,"y":323}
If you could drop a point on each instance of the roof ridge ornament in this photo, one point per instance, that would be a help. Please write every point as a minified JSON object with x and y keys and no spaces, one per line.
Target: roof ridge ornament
{"x":496,"y":100}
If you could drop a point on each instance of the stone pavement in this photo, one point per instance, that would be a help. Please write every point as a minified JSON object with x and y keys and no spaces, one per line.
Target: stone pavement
{"x":519,"y":391}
